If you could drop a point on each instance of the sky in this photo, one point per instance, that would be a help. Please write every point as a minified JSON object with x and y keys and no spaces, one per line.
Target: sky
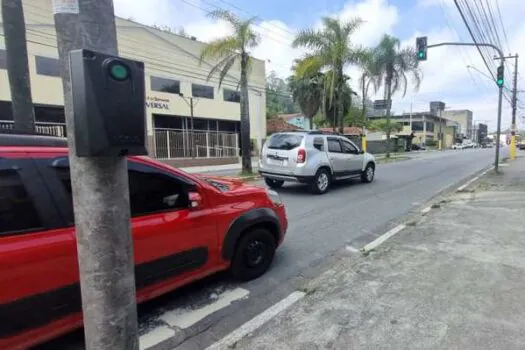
{"x":445,"y":74}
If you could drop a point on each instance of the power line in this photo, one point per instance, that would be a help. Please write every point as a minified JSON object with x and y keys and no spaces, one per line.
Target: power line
{"x":502,"y":25}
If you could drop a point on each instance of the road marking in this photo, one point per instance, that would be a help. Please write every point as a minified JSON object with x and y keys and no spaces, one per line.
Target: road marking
{"x":184,"y":318}
{"x":155,"y":337}
{"x":426,"y":210}
{"x":256,"y":322}
{"x":381,"y":239}
{"x":351,"y":249}
{"x":468,"y":183}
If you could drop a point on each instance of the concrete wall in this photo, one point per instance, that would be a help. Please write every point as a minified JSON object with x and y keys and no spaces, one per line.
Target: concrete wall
{"x":464,"y":118}
{"x":165,"y":55}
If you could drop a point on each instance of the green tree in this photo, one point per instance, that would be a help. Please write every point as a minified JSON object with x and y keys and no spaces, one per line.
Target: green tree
{"x":330,"y":49}
{"x":307,"y":92}
{"x":385,"y":125}
{"x":393,"y":64}
{"x":278,"y":96}
{"x":228,"y":50}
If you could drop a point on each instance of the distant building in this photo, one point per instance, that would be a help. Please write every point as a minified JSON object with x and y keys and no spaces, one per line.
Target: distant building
{"x":297,"y":119}
{"x":426,"y":127}
{"x":464,"y":118}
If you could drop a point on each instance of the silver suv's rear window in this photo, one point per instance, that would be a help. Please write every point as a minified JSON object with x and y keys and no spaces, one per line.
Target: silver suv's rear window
{"x":285,"y":141}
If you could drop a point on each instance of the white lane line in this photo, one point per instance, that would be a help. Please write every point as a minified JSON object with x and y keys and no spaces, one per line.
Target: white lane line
{"x":351,"y":249}
{"x":381,"y":239}
{"x":184,"y":318}
{"x":468,"y":183}
{"x":426,"y":210}
{"x":256,"y":322}
{"x":155,"y":337}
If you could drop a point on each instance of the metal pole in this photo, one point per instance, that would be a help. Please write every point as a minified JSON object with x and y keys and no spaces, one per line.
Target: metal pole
{"x":410,"y":116}
{"x":498,"y":131}
{"x":100,"y":196}
{"x":440,"y":139}
{"x":192,"y":139}
{"x":17,"y":65}
{"x":514,"y":102}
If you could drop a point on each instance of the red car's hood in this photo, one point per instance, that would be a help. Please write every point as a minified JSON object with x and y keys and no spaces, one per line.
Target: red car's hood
{"x":231,"y":182}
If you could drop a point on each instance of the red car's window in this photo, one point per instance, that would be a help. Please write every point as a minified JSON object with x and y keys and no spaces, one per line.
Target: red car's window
{"x":150,"y":191}
{"x":17,"y":213}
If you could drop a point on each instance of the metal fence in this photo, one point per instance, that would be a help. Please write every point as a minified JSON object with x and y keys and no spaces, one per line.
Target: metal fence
{"x":52,"y":129}
{"x":173,"y":143}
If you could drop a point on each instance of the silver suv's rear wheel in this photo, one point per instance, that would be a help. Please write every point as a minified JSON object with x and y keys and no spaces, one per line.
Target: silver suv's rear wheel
{"x":321,"y":182}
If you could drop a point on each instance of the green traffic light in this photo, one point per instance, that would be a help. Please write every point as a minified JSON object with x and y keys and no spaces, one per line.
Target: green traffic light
{"x":500,"y":82}
{"x":119,"y":72}
{"x":421,"y":54}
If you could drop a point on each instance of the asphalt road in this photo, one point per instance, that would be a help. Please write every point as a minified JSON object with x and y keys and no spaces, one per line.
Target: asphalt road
{"x":352,"y":213}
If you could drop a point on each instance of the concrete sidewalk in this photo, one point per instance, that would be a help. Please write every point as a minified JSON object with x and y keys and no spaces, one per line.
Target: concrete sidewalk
{"x":453,"y":278}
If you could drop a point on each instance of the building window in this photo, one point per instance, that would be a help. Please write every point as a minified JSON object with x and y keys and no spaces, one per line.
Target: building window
{"x":232,"y":95}
{"x":417,"y":126}
{"x":47,"y":66}
{"x":165,"y":85}
{"x":3,"y":60}
{"x":430,"y":127}
{"x":202,"y":91}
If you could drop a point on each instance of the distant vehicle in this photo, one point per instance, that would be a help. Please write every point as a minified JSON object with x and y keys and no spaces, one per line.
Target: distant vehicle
{"x":521,"y":145}
{"x":416,"y":147}
{"x":184,"y":227}
{"x":458,"y":146}
{"x":314,"y":158}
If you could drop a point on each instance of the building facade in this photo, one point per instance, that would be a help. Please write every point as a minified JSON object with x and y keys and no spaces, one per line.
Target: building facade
{"x":464,"y":117}
{"x":176,"y":83}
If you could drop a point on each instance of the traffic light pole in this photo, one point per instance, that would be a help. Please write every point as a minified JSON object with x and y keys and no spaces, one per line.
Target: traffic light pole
{"x":514,"y":106}
{"x":500,"y":88}
{"x":100,"y":195}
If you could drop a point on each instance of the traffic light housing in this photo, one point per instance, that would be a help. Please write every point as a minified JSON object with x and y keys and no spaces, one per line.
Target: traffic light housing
{"x":421,"y":47}
{"x":499,"y":78}
{"x":108,"y":105}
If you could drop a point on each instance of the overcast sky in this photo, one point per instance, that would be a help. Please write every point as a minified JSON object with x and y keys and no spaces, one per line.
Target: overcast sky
{"x":446,"y":77}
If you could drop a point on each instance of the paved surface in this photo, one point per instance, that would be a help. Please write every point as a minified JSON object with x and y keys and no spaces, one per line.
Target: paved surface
{"x":453,"y":279}
{"x":350,"y":214}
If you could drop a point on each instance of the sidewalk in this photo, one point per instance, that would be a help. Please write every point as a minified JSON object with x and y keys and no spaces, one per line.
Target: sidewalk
{"x":454,"y":278}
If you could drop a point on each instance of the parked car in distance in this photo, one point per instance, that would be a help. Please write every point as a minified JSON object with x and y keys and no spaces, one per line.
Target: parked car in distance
{"x":184,"y":228}
{"x":458,"y":146}
{"x":313,"y":158}
{"x":522,"y":145}
{"x":416,"y":147}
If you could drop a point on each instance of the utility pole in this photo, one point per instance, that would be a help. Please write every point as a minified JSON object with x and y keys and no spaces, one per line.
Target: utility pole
{"x":17,"y":65}
{"x":100,"y":194}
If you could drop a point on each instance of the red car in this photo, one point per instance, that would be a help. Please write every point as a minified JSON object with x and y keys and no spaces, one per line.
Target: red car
{"x":185,"y":227}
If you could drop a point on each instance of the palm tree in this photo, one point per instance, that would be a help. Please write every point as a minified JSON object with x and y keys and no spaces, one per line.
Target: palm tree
{"x":307,"y":92}
{"x":228,"y":50}
{"x":393,"y":64}
{"x":330,"y":50}
{"x":369,"y":76}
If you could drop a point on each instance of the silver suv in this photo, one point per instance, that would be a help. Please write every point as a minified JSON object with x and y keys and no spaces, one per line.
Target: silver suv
{"x":315,"y":158}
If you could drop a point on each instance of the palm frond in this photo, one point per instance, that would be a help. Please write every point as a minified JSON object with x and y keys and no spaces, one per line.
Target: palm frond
{"x":310,"y":39}
{"x":225,"y":69}
{"x":220,"y":66}
{"x":220,"y":48}
{"x":226,"y":16}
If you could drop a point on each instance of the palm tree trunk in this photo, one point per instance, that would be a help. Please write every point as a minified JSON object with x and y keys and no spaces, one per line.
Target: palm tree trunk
{"x":388,"y":87}
{"x":17,"y":65}
{"x":340,"y":103}
{"x":245,"y":117}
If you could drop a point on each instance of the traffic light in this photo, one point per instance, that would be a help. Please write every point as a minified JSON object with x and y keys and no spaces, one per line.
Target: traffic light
{"x":108,"y":105}
{"x":499,"y":79}
{"x":421,"y":45}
